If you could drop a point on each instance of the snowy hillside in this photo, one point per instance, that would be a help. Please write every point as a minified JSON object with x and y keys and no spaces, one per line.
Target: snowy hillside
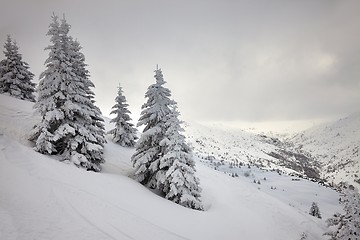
{"x":336,"y":146}
{"x":238,"y":146}
{"x":42,"y":198}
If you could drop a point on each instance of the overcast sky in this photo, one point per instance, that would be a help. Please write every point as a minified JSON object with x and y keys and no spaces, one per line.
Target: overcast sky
{"x":252,"y":61}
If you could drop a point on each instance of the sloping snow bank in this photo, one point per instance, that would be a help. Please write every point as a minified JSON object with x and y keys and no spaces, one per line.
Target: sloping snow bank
{"x":41,"y":198}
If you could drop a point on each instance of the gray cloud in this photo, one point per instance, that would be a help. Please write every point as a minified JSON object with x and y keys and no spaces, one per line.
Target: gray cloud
{"x":223,"y":60}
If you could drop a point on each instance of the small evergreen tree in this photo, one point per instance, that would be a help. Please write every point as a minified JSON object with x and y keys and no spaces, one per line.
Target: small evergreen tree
{"x":15,"y":77}
{"x":303,"y":236}
{"x":347,"y":225}
{"x":176,"y":173}
{"x":124,"y":132}
{"x":148,"y":149}
{"x":314,"y":210}
{"x":71,"y":124}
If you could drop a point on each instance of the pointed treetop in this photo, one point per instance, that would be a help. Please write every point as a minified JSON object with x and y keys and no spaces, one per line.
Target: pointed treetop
{"x":8,"y":45}
{"x":120,"y":91}
{"x":159,"y":76}
{"x":16,"y":48}
{"x":64,"y":25}
{"x":9,"y":41}
{"x":54,"y":17}
{"x":11,"y":48}
{"x":8,"y":38}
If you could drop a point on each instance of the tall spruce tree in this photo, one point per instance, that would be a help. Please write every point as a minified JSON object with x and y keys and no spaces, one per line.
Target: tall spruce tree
{"x":96,"y":126}
{"x":124,"y":132}
{"x":71,"y":125}
{"x":153,"y":114}
{"x":50,"y":99}
{"x":15,"y":77}
{"x":176,"y":175}
{"x":162,"y":159}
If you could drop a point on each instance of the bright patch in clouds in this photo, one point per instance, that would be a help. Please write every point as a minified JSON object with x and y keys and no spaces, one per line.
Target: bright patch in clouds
{"x":324,"y":63}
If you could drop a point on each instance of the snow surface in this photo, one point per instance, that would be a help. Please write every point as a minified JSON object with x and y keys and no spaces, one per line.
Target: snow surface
{"x":42,"y":198}
{"x":232,"y":145}
{"x":336,"y":145}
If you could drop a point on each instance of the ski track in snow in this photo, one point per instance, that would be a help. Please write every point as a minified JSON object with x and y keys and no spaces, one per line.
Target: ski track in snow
{"x":128,"y":220}
{"x":81,"y":203}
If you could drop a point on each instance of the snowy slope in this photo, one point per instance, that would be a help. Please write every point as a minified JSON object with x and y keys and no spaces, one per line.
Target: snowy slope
{"x":336,"y":146}
{"x":236,"y":146}
{"x":239,"y":146}
{"x":41,"y":198}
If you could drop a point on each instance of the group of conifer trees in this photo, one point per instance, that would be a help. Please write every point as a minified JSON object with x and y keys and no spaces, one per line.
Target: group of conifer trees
{"x":72,"y":127}
{"x":162,"y":159}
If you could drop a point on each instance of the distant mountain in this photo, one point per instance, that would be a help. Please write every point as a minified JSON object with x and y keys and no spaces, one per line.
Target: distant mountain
{"x":241,"y":147}
{"x":327,"y":151}
{"x":335,"y":146}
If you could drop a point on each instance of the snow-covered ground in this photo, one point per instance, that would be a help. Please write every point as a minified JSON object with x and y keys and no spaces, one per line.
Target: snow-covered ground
{"x":239,"y":146}
{"x":336,"y":145}
{"x":42,"y":198}
{"x":332,"y":148}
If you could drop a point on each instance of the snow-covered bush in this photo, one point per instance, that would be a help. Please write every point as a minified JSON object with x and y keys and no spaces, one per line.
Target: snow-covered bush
{"x":314,"y":210}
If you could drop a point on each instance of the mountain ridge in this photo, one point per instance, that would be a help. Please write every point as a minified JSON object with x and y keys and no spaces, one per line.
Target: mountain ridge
{"x":335,"y":146}
{"x":302,"y":153}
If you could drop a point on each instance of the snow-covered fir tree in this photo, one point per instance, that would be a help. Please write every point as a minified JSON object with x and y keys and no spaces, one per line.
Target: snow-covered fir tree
{"x":162,"y":159}
{"x":71,"y":125}
{"x":50,"y":99}
{"x":176,"y":175}
{"x":15,"y":77}
{"x":124,"y":132}
{"x":314,"y":210}
{"x":153,"y":114}
{"x":96,"y":126}
{"x":347,"y":225}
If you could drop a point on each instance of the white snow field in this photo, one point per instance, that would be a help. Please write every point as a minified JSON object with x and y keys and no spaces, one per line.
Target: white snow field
{"x":336,"y":145}
{"x":42,"y":198}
